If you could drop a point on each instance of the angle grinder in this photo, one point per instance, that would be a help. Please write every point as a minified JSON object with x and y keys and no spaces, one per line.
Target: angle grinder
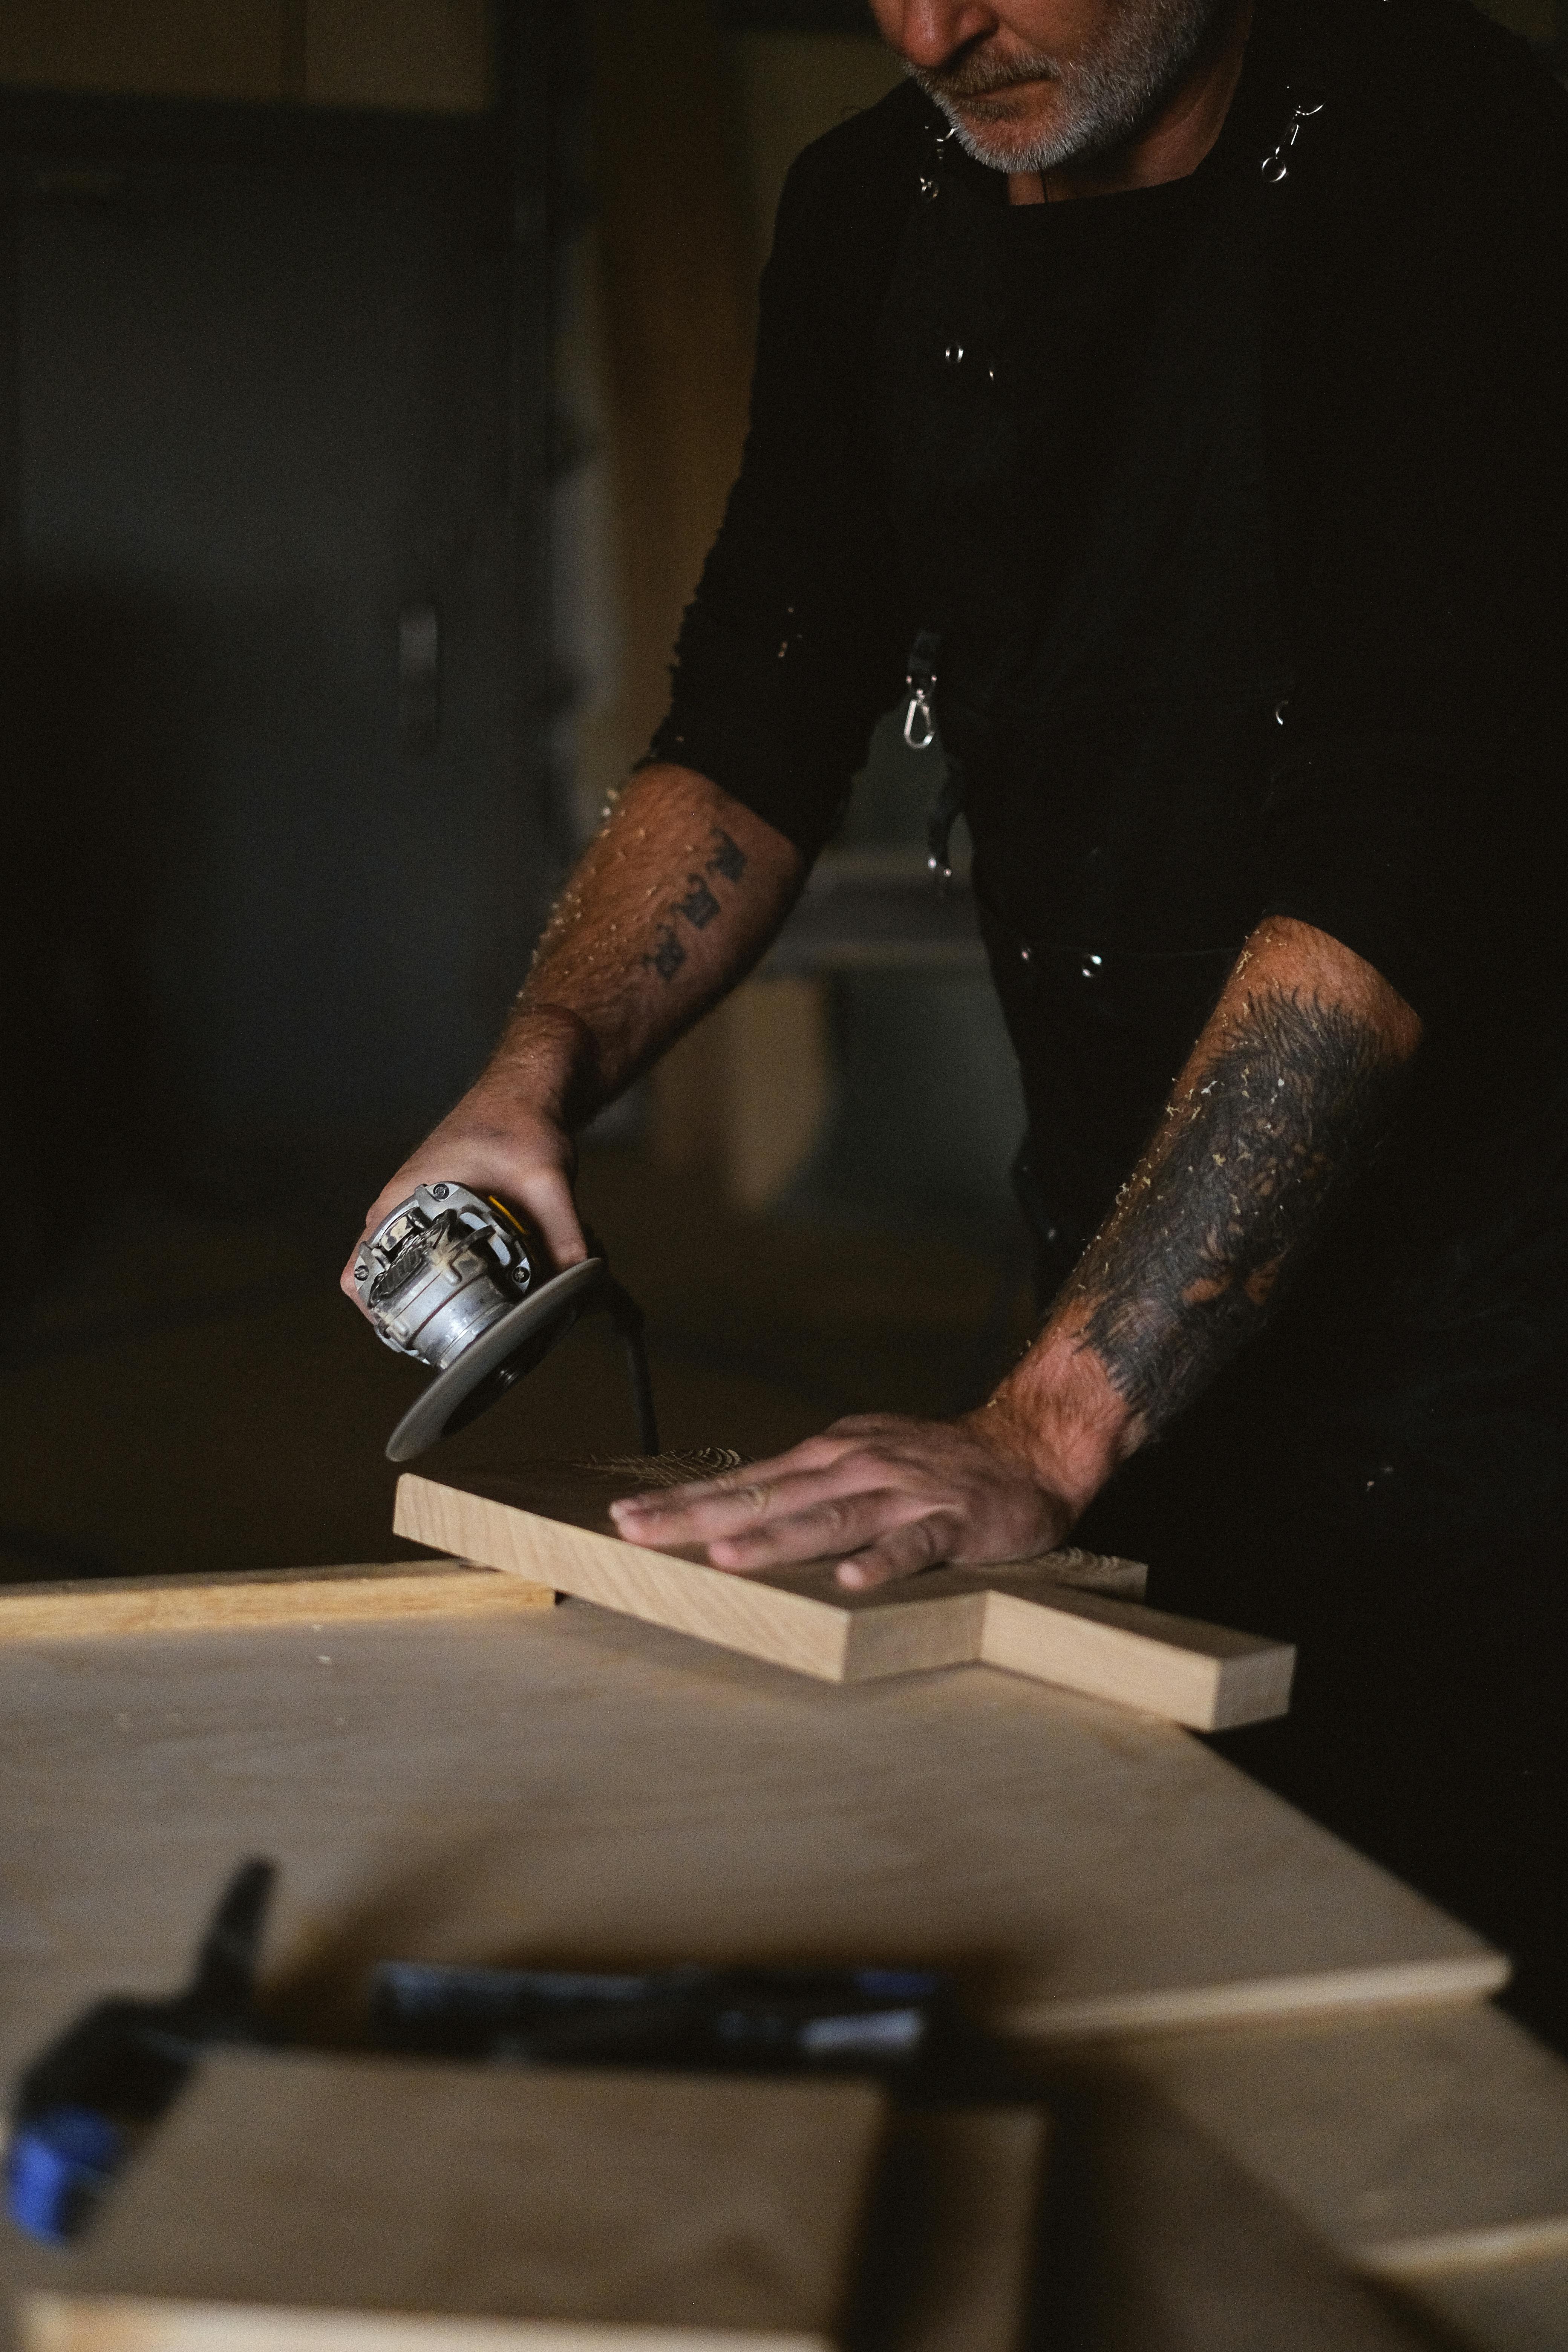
{"x":455,"y":1280}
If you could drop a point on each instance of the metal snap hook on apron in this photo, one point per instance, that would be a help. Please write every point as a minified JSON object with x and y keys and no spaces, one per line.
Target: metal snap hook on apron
{"x":920,"y":719}
{"x":919,"y":714}
{"x":1276,"y":166}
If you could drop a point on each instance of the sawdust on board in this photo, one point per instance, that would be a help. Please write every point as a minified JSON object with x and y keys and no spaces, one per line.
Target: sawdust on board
{"x":666,"y":1469}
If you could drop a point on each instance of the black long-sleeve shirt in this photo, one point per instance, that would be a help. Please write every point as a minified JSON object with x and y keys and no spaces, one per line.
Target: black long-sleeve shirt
{"x":1411,"y":352}
{"x":1158,"y":467}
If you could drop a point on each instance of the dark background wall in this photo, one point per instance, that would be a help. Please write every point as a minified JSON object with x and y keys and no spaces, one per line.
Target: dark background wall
{"x":273,"y":459}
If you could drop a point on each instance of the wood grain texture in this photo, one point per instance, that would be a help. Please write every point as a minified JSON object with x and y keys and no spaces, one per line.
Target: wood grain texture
{"x":1186,"y":2254}
{"x":942,"y":2255}
{"x":78,"y":1607}
{"x":1415,"y":2146}
{"x":572,"y":1786}
{"x":568,"y":1787}
{"x":608,"y":2203}
{"x":1515,"y":2306}
{"x":1067,"y":1618}
{"x":960,"y":2259}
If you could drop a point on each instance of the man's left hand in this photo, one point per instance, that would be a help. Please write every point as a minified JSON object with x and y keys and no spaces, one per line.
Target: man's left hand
{"x":881,"y":1493}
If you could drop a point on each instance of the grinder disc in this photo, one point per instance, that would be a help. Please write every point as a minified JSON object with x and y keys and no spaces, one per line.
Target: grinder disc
{"x":528,"y":1330}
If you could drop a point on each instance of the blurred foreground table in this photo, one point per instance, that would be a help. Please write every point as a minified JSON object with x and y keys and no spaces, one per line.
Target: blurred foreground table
{"x":1284,"y":2112}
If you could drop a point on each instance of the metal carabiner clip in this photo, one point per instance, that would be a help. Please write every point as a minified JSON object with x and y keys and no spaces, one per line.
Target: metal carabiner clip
{"x":920,"y":679}
{"x":1276,"y":165}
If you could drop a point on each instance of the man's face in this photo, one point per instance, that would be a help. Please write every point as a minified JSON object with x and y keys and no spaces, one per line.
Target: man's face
{"x":1029,"y":85}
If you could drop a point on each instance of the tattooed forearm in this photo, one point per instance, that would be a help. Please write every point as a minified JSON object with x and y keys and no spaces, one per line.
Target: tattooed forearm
{"x":729,"y":858}
{"x":1234,"y":1186}
{"x":697,"y":905}
{"x":672,"y":902}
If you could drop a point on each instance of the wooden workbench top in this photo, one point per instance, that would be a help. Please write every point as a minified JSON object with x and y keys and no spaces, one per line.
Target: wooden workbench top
{"x":562,"y":1784}
{"x":568,"y":1785}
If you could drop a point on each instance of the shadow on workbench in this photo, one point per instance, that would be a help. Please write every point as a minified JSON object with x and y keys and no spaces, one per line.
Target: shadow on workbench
{"x":195,"y":1395}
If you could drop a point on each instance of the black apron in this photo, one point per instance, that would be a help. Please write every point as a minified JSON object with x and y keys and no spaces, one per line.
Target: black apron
{"x":1112,"y":729}
{"x":1109,"y":662}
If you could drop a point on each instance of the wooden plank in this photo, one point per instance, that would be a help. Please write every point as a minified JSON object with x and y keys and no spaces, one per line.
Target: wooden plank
{"x":1057,"y":1620}
{"x":592,"y":2209}
{"x":163,"y":49}
{"x":959,"y":2262}
{"x":1203,"y":1675}
{"x":949,"y":2265}
{"x":571,"y":1787}
{"x":75,"y":1607}
{"x":424,"y":55}
{"x":1418,"y":2145}
{"x":1185,"y":2254}
{"x":1516,"y":2306}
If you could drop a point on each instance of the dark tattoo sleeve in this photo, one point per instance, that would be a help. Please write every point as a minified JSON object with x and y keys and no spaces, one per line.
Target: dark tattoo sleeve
{"x":1234,"y":1186}
{"x":729,"y":858}
{"x":669,"y":955}
{"x":698,"y":906}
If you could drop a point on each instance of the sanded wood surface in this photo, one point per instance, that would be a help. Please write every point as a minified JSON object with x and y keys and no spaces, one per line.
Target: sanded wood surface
{"x":1516,"y":2306}
{"x":281,"y":1596}
{"x":1415,"y":2145}
{"x":1186,"y":2254}
{"x":640,"y":2190}
{"x":960,"y":2231}
{"x":1065,"y":1619}
{"x":634,"y":2209}
{"x":572,"y":1786}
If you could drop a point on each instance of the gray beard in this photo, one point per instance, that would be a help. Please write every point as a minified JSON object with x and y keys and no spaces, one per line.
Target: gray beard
{"x":1106,"y":94}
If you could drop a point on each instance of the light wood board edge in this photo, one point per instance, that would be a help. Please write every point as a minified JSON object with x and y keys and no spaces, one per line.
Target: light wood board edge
{"x":84,"y":2323}
{"x":1106,"y":2017}
{"x":914,"y":1636}
{"x":89,"y":1606}
{"x":1460,"y":2250}
{"x":785,"y":1629}
{"x":1202,"y":1676}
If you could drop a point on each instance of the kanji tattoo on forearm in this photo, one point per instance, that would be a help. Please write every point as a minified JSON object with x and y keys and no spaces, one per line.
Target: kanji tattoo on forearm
{"x":698,"y":907}
{"x":1236,"y":1185}
{"x":729,"y":858}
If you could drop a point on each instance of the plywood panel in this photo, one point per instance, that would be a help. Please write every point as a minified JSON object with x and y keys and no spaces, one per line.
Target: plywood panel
{"x":428,"y":56}
{"x":77,"y":1607}
{"x":576,"y":1788}
{"x":961,"y":2256}
{"x":422,"y":55}
{"x":678,"y":282}
{"x":1502,"y":2307}
{"x":173,"y":48}
{"x":793,"y":86}
{"x":1185,"y":2254}
{"x":1415,"y":2146}
{"x":777,"y":1083}
{"x":1059,"y":1619}
{"x":641,"y":2209}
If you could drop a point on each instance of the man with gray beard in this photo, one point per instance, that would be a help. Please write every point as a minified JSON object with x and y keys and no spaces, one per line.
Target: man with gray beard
{"x":1170,"y":393}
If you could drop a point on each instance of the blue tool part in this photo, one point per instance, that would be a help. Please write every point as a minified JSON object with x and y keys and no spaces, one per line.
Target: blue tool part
{"x":78,"y":2106}
{"x":56,"y":2167}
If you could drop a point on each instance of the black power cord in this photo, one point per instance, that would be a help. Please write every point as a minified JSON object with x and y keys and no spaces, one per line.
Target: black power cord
{"x":627,"y":1317}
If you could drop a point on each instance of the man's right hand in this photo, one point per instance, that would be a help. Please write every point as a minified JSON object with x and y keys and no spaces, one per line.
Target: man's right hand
{"x":670,"y":904}
{"x":508,"y":1136}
